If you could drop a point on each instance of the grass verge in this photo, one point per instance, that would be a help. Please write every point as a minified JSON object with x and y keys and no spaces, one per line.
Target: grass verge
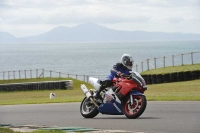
{"x":176,"y":91}
{"x":171,"y":69}
{"x":42,"y":96}
{"x":7,"y":130}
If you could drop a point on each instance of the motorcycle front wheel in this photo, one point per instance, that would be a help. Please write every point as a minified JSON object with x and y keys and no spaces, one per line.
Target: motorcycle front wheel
{"x":137,"y":108}
{"x":88,"y":109}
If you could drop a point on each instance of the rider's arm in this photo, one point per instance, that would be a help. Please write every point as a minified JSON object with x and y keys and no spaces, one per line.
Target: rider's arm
{"x":116,"y":70}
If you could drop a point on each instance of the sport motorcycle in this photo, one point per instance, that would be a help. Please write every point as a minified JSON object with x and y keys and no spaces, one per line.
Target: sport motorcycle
{"x":125,"y":97}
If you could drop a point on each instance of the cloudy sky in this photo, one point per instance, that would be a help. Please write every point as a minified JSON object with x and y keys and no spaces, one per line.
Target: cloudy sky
{"x":32,"y":17}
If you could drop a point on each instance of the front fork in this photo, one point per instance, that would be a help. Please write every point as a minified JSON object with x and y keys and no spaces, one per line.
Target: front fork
{"x":131,"y":98}
{"x":134,"y":93}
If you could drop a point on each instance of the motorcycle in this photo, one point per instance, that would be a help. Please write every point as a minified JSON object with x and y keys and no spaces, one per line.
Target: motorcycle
{"x":125,"y":97}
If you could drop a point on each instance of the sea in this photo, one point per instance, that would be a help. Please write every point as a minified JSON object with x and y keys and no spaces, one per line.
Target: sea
{"x":94,"y":58}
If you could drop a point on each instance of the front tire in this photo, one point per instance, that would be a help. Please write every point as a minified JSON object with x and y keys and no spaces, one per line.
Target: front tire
{"x":88,"y":109}
{"x":138,"y":107}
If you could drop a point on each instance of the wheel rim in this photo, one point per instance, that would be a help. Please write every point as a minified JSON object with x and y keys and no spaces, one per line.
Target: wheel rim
{"x":133,"y":109}
{"x":87,"y":106}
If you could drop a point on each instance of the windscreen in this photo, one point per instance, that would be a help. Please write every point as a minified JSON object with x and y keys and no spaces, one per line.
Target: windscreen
{"x":139,"y":80}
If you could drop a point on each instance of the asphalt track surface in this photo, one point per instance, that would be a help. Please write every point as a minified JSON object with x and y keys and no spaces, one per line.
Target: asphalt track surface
{"x":159,"y":117}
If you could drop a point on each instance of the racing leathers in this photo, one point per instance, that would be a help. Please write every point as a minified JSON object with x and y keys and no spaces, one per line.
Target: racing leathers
{"x":118,"y":70}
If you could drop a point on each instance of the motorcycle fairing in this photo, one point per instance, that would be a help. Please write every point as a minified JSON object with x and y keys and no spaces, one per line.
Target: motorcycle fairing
{"x":137,"y":78}
{"x":112,"y":108}
{"x":111,"y":105}
{"x":135,"y":92}
{"x":127,"y":86}
{"x":95,"y":82}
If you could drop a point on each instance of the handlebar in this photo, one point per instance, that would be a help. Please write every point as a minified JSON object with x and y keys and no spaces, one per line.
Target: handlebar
{"x":124,"y":76}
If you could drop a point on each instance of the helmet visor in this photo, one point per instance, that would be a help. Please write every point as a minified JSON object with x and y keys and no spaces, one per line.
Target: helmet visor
{"x":129,"y":63}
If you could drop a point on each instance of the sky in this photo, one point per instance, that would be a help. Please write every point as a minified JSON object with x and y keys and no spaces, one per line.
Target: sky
{"x":32,"y":17}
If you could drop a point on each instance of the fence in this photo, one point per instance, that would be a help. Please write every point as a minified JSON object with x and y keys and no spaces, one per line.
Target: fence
{"x":42,"y":73}
{"x":174,"y":60}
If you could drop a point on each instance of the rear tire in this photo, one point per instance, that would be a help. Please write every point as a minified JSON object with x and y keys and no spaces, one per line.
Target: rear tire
{"x":88,"y":109}
{"x":135,"y":110}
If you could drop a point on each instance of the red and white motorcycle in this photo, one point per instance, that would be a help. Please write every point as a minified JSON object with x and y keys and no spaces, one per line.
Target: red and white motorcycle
{"x":125,"y":97}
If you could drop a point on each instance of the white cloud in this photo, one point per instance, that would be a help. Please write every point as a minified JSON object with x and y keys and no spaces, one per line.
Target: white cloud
{"x":149,"y":15}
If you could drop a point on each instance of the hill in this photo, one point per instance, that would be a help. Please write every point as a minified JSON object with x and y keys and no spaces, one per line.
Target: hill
{"x":7,"y":37}
{"x":91,"y":32}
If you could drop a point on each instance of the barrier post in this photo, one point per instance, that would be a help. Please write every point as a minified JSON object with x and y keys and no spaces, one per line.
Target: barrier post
{"x":14,"y":74}
{"x":192,"y":57}
{"x":31,"y":74}
{"x":164,"y":61}
{"x":155,"y":62}
{"x":182,"y":59}
{"x":36,"y":73}
{"x":25,"y":73}
{"x":19,"y":75}
{"x":147,"y":64}
{"x":136,"y":68}
{"x":172,"y":60}
{"x":8,"y":74}
{"x":3,"y":75}
{"x":142,"y":66}
{"x":43,"y":72}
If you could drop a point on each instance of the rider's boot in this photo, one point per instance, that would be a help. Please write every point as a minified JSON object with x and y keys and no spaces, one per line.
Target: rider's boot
{"x":98,"y":96}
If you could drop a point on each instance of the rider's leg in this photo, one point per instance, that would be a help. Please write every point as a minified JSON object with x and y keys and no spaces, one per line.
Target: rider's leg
{"x":105,"y":84}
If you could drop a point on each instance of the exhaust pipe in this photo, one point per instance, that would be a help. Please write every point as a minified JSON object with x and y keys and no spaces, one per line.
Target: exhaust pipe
{"x":85,"y":91}
{"x":88,"y":94}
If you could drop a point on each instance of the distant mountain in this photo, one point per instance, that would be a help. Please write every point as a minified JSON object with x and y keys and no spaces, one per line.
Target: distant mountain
{"x":7,"y":37}
{"x":95,"y":33}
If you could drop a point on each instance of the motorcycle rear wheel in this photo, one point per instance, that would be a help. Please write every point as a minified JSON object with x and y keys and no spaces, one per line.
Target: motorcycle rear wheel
{"x":135,"y":110}
{"x":88,"y":109}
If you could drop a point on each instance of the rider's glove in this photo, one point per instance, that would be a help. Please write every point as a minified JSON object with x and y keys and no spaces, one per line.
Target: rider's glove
{"x":120,"y":74}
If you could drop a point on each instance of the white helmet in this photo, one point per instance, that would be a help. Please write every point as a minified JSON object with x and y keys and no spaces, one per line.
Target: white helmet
{"x":127,"y":61}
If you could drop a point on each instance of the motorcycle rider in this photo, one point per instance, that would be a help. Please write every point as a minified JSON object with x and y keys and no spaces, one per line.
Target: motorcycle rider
{"x":120,"y":69}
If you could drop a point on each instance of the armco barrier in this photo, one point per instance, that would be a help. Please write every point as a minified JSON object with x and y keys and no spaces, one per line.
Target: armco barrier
{"x":46,"y":85}
{"x":171,"y":77}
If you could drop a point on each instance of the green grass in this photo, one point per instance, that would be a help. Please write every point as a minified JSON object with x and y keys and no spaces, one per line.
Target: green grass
{"x":76,"y":83}
{"x":176,"y":91}
{"x":171,"y":69}
{"x":42,"y":96}
{"x":7,"y":130}
{"x":36,"y":97}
